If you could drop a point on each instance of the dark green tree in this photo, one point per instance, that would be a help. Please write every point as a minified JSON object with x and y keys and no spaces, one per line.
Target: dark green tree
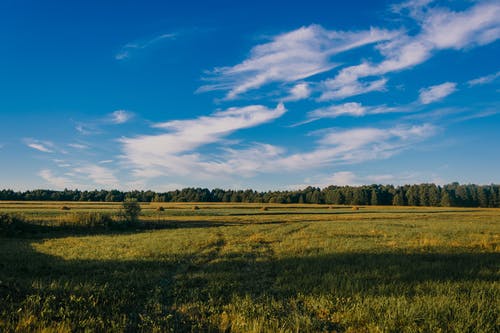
{"x":130,"y":211}
{"x":374,"y":201}
{"x":398,"y":200}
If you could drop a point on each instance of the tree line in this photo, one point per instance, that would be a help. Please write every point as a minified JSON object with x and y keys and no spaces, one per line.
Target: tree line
{"x":451,"y":195}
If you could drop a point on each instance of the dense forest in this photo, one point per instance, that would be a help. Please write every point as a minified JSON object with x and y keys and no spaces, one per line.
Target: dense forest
{"x":454,"y":194}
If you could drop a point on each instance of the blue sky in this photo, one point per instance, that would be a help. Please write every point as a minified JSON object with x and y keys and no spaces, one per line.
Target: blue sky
{"x":162,"y":95}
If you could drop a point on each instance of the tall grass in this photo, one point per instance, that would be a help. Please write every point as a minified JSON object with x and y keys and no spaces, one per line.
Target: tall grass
{"x":246,"y":270}
{"x":86,"y":220}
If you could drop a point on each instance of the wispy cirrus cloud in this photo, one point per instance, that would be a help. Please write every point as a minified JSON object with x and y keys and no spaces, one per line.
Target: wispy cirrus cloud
{"x":336,"y":89}
{"x":353,"y":109}
{"x":200,"y":148}
{"x":96,"y":125}
{"x":335,"y":147}
{"x":86,"y":176}
{"x":436,"y":93}
{"x":298,"y":92}
{"x":98,"y":174}
{"x":290,"y":57}
{"x":120,"y":116}
{"x":484,"y":79}
{"x":57,"y":182}
{"x":128,"y":49}
{"x":86,"y":129}
{"x":173,"y":152}
{"x":440,"y":28}
{"x":78,"y":146}
{"x":310,"y":50}
{"x":42,"y":146}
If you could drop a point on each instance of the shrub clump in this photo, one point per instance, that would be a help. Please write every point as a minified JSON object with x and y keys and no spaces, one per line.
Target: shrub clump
{"x":11,"y":224}
{"x":89,"y":220}
{"x":130,"y":212}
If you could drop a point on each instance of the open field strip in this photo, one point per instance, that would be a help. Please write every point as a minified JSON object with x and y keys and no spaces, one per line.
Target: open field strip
{"x":235,"y":267}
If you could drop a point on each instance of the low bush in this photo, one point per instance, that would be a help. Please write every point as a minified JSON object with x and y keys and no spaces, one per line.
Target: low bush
{"x":130,"y":212}
{"x":88,"y":220}
{"x":12,"y":224}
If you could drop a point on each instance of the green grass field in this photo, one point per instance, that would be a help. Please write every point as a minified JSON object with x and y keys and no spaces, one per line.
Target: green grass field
{"x":238,"y":268}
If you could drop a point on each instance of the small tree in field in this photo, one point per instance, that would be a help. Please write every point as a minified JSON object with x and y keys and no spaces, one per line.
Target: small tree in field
{"x":130,"y":211}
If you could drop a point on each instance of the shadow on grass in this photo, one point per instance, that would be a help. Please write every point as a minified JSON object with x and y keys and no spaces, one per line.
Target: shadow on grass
{"x":180,"y":292}
{"x":24,"y":229}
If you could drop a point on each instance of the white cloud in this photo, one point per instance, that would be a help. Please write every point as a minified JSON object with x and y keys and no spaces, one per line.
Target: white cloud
{"x":245,"y":162}
{"x":57,"y":182}
{"x":477,"y":115}
{"x":40,"y":147}
{"x":290,"y":57}
{"x":127,"y":50}
{"x":337,"y":90}
{"x":484,"y":79}
{"x":437,"y":92}
{"x":179,"y":147}
{"x":43,"y":146}
{"x":441,"y":29}
{"x":342,"y":178}
{"x":98,"y":174}
{"x":172,"y":152}
{"x":413,"y":7}
{"x":78,"y":146}
{"x":335,"y":147}
{"x":120,"y":116}
{"x":307,"y":51}
{"x":87,"y":176}
{"x":298,"y":92}
{"x":86,"y":129}
{"x":333,"y":111}
{"x":478,"y":25}
{"x":176,"y":152}
{"x":358,"y":145}
{"x":348,"y":109}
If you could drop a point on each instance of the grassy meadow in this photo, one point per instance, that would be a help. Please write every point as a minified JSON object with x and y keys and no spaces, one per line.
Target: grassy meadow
{"x":242,"y":268}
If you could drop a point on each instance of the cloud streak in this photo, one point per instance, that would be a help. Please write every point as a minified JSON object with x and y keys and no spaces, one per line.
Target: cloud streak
{"x":484,"y":79}
{"x":172,"y":152}
{"x":57,"y":182}
{"x":120,"y":116}
{"x":298,"y":92}
{"x":440,"y":29}
{"x":127,"y":50}
{"x":42,"y":146}
{"x":437,"y":92}
{"x":290,"y":57}
{"x":353,"y":109}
